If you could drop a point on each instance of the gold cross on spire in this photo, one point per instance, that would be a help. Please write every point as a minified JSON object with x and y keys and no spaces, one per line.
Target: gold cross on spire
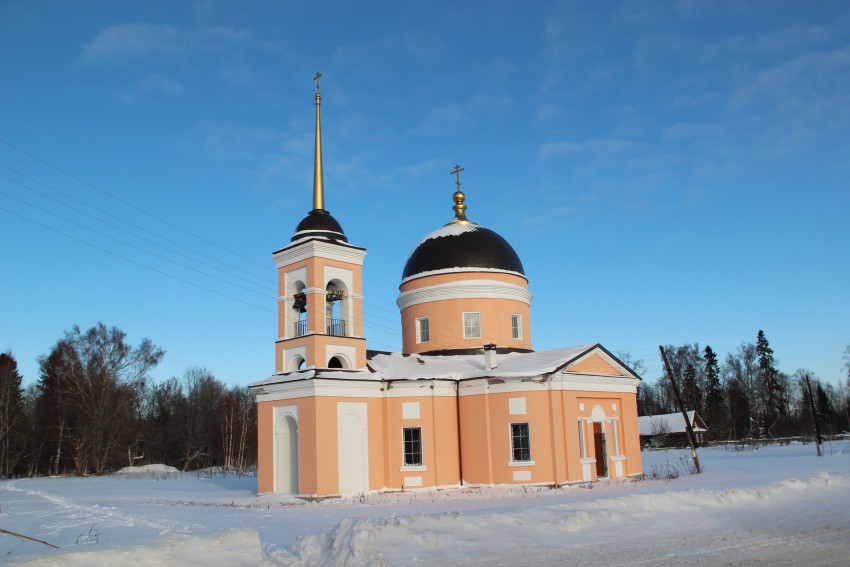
{"x":316,"y":78}
{"x":456,"y":172}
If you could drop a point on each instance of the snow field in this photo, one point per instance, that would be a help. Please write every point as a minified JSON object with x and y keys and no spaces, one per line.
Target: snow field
{"x":774,"y":506}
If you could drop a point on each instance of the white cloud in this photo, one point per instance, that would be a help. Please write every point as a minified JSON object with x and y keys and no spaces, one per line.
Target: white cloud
{"x":123,"y":41}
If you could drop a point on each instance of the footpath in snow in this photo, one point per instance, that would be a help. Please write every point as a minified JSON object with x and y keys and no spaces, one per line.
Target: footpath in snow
{"x":779,"y":505}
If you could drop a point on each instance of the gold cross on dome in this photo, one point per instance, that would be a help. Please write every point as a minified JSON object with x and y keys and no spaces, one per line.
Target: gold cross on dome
{"x":316,"y":78}
{"x":456,"y":172}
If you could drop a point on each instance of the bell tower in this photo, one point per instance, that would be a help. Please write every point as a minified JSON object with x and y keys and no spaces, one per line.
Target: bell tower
{"x":319,"y":280}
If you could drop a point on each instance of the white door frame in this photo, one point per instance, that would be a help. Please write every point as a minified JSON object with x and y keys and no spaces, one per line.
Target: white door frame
{"x":353,"y":447}
{"x":285,"y":468}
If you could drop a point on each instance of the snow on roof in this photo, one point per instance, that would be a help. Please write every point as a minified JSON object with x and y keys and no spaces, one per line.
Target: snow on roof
{"x":668,"y":423}
{"x":398,"y":366}
{"x":310,"y":373}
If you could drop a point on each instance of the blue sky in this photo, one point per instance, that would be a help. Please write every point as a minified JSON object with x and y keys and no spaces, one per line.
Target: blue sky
{"x":668,"y":172}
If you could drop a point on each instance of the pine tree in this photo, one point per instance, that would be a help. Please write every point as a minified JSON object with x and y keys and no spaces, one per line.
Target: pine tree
{"x":11,"y":412}
{"x":691,"y":394}
{"x":713,"y":391}
{"x":771,"y":386}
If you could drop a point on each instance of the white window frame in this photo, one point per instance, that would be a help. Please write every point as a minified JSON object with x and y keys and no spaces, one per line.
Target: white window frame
{"x":512,"y":461}
{"x":421,"y":465}
{"x":419,"y":324}
{"x":463,"y":322}
{"x":516,"y":331}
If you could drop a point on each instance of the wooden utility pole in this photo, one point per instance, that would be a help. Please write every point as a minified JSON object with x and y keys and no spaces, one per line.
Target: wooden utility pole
{"x":814,"y":416}
{"x":688,"y":429}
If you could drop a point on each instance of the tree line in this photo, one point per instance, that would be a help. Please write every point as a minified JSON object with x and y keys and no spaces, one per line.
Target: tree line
{"x":95,"y":409}
{"x":746,"y":396}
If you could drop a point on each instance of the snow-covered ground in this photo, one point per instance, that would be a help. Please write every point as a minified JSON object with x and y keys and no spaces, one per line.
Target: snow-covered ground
{"x":779,"y":505}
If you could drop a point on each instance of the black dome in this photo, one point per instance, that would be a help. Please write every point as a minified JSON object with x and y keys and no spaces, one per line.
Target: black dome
{"x":457,"y":246}
{"x":319,"y":223}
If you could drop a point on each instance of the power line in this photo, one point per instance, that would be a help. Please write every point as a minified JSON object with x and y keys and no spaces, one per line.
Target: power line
{"x":434,"y":331}
{"x":133,"y":261}
{"x":132,"y":245}
{"x":123,"y":229}
{"x":124,"y":202}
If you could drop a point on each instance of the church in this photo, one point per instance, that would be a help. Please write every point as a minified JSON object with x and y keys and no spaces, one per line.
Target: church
{"x":466,"y":402}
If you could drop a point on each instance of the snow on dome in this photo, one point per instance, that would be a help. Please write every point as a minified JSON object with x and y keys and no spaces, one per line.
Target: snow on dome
{"x":451,"y":229}
{"x":462,"y":247}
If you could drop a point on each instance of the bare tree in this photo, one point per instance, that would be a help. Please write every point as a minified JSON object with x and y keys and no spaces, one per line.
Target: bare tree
{"x":200,"y":420}
{"x":101,"y":379}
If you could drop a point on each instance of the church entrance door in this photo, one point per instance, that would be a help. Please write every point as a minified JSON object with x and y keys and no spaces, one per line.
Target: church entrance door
{"x":601,"y":449}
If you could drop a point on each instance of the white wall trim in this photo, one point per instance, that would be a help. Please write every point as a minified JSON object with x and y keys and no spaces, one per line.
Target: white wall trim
{"x":464,"y":289}
{"x":410,"y":410}
{"x":429,"y":388}
{"x":520,"y":476}
{"x":517,"y":406}
{"x":419,"y":388}
{"x":594,"y":382}
{"x":413,"y":481}
{"x":320,"y":249}
{"x":319,"y":387}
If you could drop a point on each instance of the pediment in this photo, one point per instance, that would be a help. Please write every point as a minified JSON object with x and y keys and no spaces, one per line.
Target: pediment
{"x":597,"y":361}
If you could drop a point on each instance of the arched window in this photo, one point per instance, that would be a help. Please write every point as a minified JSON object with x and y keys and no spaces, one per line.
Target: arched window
{"x":296,"y":363}
{"x":335,"y":362}
{"x":335,"y":311}
{"x":299,"y":304}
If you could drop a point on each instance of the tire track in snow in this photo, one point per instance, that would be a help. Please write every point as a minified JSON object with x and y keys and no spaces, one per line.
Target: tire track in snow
{"x":94,"y":512}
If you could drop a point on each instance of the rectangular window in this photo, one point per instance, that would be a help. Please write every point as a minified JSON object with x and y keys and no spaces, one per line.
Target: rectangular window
{"x":422,"y":333}
{"x":472,"y":325}
{"x":516,"y":326}
{"x":412,"y":446}
{"x":520,"y":445}
{"x":581,"y":445}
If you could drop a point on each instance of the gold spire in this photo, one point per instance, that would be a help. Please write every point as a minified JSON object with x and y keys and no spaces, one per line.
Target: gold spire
{"x":318,"y":185}
{"x":459,"y":198}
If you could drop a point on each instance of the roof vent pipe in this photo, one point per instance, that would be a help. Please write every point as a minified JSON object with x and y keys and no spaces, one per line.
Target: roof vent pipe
{"x":490,"y":361}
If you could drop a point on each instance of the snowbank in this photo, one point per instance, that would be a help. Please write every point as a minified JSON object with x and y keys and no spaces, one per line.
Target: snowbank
{"x":241,"y":547}
{"x":777,"y":505}
{"x":150,"y":470}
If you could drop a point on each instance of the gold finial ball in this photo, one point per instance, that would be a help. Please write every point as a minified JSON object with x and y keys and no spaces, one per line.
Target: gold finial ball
{"x":459,"y":208}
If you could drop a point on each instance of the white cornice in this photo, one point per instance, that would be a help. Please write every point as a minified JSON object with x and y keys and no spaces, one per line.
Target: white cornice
{"x":318,"y":248}
{"x":595,"y":383}
{"x":459,"y":271}
{"x":464,"y":289}
{"x":319,"y":387}
{"x":418,"y":388}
